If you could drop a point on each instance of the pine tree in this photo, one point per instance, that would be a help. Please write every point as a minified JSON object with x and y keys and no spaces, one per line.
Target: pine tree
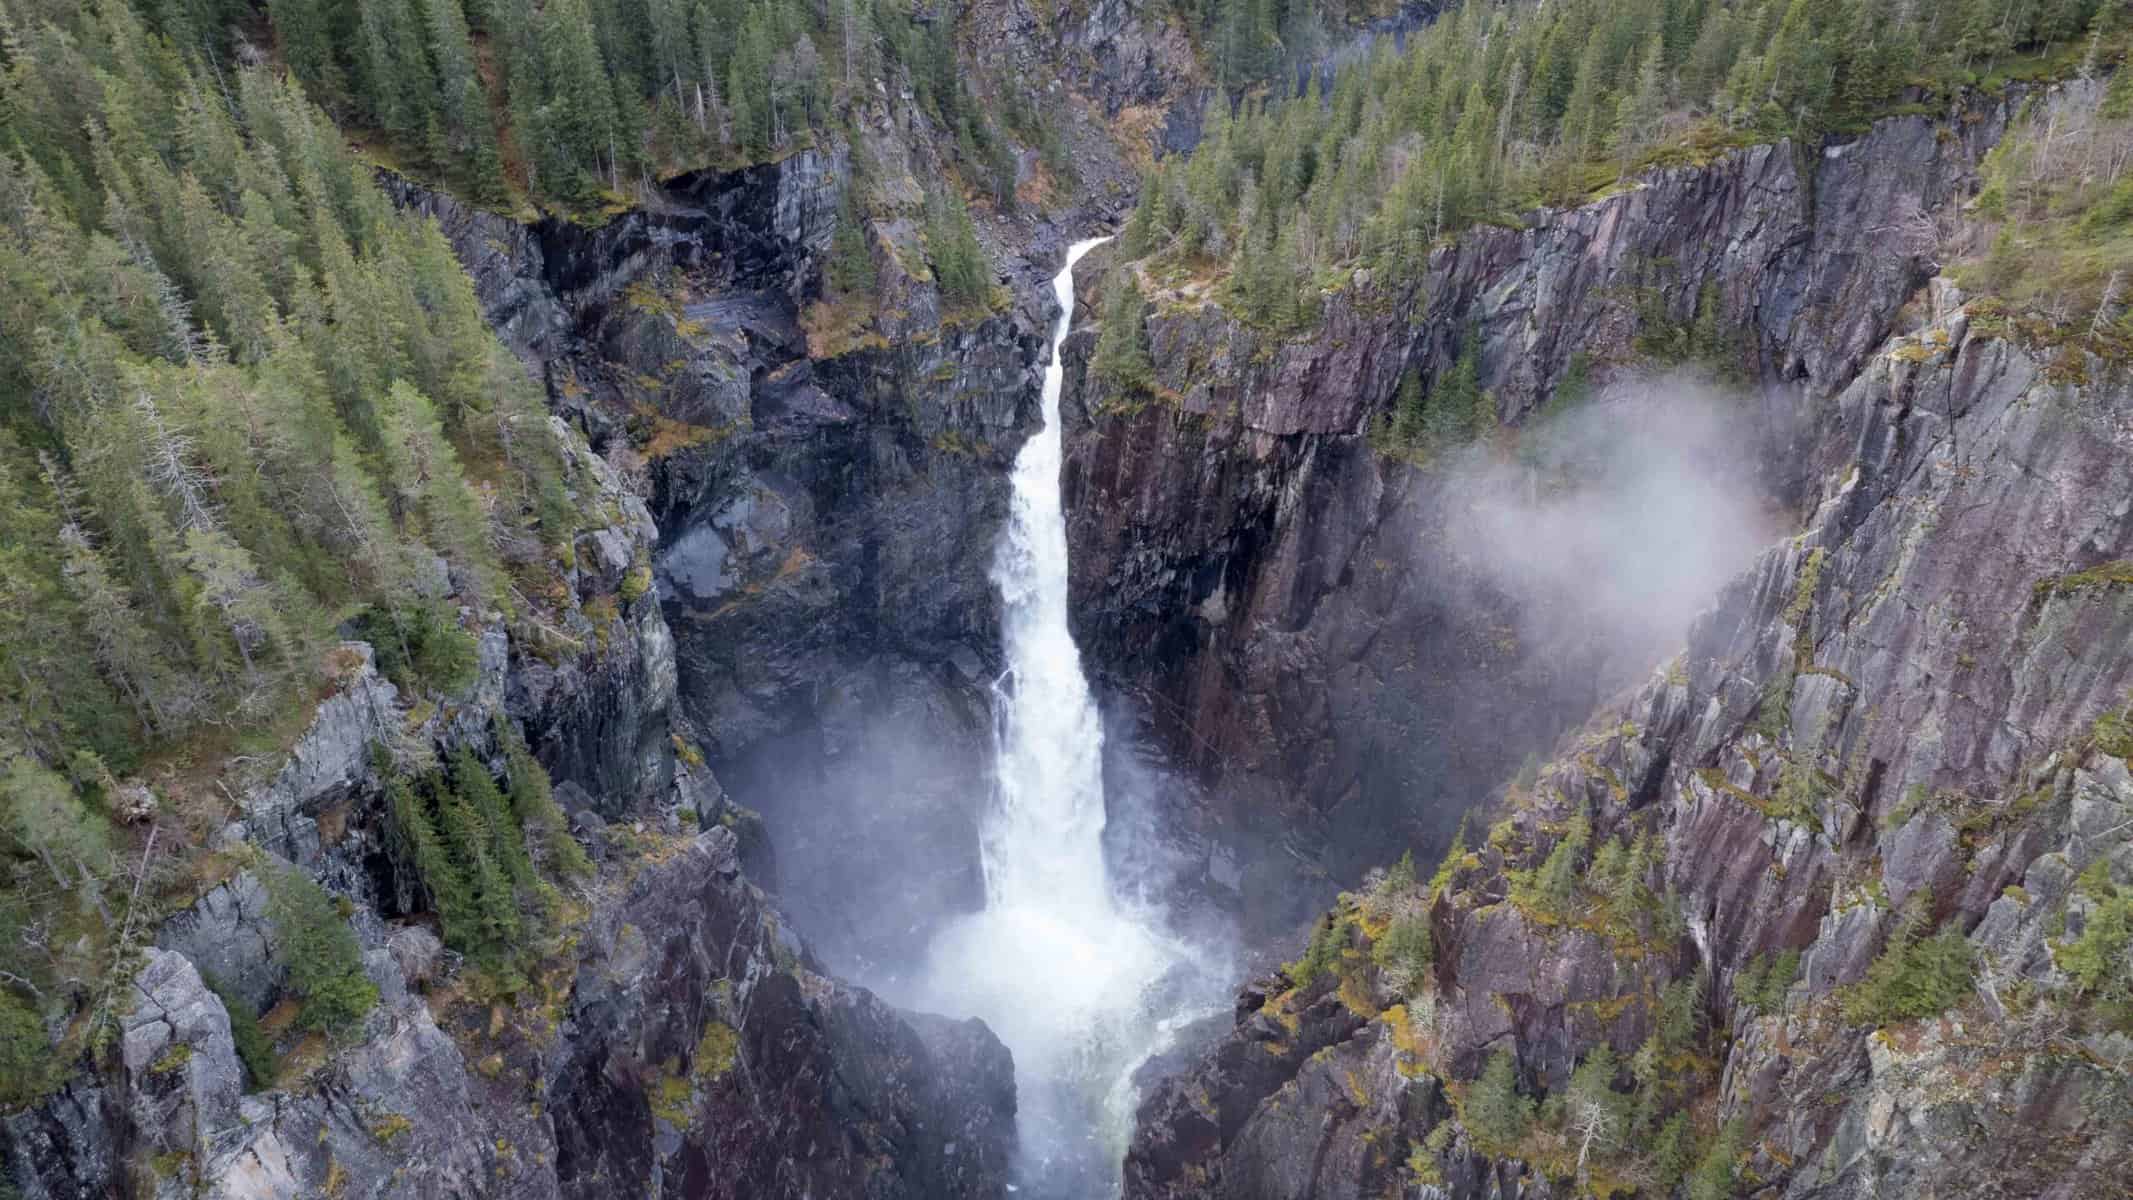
{"x":325,"y":962}
{"x":1121,"y":360}
{"x":1557,"y":879}
{"x":229,"y":585}
{"x":959,"y":265}
{"x":1593,"y":1083}
{"x":490,"y":919}
{"x":472,"y":782}
{"x":309,"y":32}
{"x":1494,"y":1111}
{"x":421,"y":851}
{"x":579,"y":100}
{"x":425,"y":486}
{"x":851,"y":264}
{"x":116,"y":634}
{"x":1638,"y":112}
{"x":40,"y":811}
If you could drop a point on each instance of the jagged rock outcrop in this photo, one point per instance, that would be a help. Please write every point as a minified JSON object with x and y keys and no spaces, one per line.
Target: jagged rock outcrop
{"x":1285,"y":603}
{"x":707,"y":1053}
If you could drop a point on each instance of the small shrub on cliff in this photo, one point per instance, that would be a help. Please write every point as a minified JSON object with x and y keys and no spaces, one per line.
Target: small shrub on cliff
{"x":1324,"y":951}
{"x":2100,"y":960}
{"x":325,"y":963}
{"x":1388,"y":890}
{"x":1550,"y":888}
{"x":1451,"y":412}
{"x":1449,"y":866}
{"x":1914,"y":977}
{"x":2113,"y":733}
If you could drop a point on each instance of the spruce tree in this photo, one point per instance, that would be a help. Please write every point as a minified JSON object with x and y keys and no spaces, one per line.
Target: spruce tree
{"x":325,"y":963}
{"x":1121,"y":359}
{"x":1494,"y":1111}
{"x":851,"y":263}
{"x":959,"y":265}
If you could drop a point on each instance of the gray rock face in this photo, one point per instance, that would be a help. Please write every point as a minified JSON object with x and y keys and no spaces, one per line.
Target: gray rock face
{"x":1294,"y":610}
{"x":183,"y":1081}
{"x":693,"y":1060}
{"x":605,"y":717}
{"x":1893,"y":709}
{"x":226,"y":935}
{"x":329,"y":763}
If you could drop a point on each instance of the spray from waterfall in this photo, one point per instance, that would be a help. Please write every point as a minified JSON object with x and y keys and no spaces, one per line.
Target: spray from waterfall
{"x":1064,"y":971}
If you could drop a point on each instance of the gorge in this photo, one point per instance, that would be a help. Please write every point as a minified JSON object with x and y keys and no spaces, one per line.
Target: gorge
{"x":1429,"y":600}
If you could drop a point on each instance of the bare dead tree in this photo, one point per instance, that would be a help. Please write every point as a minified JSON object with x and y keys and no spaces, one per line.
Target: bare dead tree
{"x":2109,"y":302}
{"x":1595,"y":1128}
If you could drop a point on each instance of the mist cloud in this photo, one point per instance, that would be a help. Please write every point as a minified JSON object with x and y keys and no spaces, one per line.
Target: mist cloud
{"x":1615,"y":524}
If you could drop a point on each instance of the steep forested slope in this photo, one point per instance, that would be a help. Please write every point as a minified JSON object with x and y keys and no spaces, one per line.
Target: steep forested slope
{"x":248,"y":402}
{"x":1498,"y":108}
{"x":289,"y":914}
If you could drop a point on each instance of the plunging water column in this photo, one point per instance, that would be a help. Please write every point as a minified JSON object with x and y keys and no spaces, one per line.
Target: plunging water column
{"x":1056,"y":963}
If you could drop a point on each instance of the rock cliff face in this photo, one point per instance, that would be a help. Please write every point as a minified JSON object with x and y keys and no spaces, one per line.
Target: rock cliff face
{"x":1906,"y":708}
{"x":827,"y":497}
{"x":1941,"y":691}
{"x":1321,"y":655}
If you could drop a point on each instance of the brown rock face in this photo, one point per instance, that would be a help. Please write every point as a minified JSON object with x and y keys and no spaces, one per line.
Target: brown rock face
{"x":1297,"y":614}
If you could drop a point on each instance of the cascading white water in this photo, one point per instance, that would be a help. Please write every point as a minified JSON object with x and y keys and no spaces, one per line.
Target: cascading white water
{"x":1057,"y":965}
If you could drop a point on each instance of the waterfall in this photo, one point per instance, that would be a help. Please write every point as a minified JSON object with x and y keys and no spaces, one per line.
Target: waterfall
{"x":1044,"y":846}
{"x":1057,"y":964}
